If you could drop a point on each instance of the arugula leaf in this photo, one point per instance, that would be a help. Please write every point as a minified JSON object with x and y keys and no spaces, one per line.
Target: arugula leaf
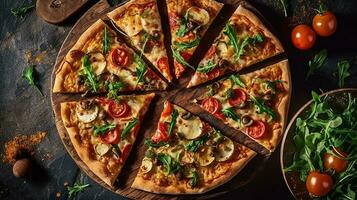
{"x":102,"y":129}
{"x":128,"y":128}
{"x":169,"y":163}
{"x":76,"y":188}
{"x":113,"y":89}
{"x":194,"y":145}
{"x":342,"y":71}
{"x":22,"y":10}
{"x":316,"y":63}
{"x":149,"y":143}
{"x":233,"y":39}
{"x":187,"y":45}
{"x":183,"y":26}
{"x":140,"y":69}
{"x":174,"y":116}
{"x":247,"y":41}
{"x":207,"y":68}
{"x":285,"y":4}
{"x":91,"y":79}
{"x":177,"y":55}
{"x":229,"y":113}
{"x":28,"y":74}
{"x":106,"y":41}
{"x":262,"y":108}
{"x":194,"y":179}
{"x":235,"y":78}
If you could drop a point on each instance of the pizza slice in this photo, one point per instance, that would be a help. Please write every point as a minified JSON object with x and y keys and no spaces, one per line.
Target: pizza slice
{"x":99,"y":61}
{"x":243,"y":42}
{"x":103,"y":131}
{"x":187,"y":156}
{"x":140,"y":21}
{"x":189,"y":20}
{"x":256,"y":103}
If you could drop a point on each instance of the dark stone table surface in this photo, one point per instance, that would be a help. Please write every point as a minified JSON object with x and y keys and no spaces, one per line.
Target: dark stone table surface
{"x":24,"y":111}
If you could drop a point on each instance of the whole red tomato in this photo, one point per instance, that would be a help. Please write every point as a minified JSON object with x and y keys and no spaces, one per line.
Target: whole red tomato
{"x":325,"y":23}
{"x":319,"y":184}
{"x":303,"y":37}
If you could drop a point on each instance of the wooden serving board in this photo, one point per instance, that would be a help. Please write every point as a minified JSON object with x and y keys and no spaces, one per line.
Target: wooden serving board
{"x":176,"y":93}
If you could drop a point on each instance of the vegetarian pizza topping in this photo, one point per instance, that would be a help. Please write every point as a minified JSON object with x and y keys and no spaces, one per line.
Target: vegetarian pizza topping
{"x":118,"y":109}
{"x":120,"y":57}
{"x":256,"y":130}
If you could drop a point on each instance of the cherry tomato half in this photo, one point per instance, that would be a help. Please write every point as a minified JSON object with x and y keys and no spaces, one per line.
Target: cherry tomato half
{"x":324,"y":24}
{"x":120,"y":57}
{"x":210,"y":53}
{"x":214,"y":73}
{"x":303,"y":37}
{"x":238,"y":97}
{"x":163,"y":65}
{"x":212,"y":105}
{"x":173,"y":19}
{"x":257,"y":130}
{"x":167,"y":109}
{"x":162,"y":134}
{"x":125,"y":153}
{"x":112,"y":137}
{"x":338,"y":163}
{"x":319,"y":184}
{"x":119,"y":109}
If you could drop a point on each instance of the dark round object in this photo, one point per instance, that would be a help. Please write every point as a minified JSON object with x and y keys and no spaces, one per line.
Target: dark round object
{"x":22,"y":168}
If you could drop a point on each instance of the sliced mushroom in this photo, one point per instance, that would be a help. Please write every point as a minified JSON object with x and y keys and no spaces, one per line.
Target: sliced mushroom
{"x":198,"y":15}
{"x":190,"y":129}
{"x":87,"y":115}
{"x":224,"y":150}
{"x":98,"y":62}
{"x":186,"y":115}
{"x":101,"y":149}
{"x":246,"y":120}
{"x":205,"y":156}
{"x":222,"y":49}
{"x":146,"y":165}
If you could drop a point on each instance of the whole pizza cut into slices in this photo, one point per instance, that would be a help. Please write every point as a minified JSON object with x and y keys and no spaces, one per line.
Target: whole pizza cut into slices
{"x":243,"y":42}
{"x":255,"y":103}
{"x":189,"y":20}
{"x":99,"y":61}
{"x":103,"y":131}
{"x":140,"y":20}
{"x":187,"y":156}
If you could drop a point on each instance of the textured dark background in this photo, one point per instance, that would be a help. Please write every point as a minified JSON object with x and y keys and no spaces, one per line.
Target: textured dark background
{"x":24,"y":111}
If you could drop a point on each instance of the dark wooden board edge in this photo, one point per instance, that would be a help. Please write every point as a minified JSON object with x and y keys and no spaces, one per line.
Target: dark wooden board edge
{"x":98,"y":11}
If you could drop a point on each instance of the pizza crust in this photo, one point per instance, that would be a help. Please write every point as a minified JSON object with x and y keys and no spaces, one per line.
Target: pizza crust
{"x":235,"y":168}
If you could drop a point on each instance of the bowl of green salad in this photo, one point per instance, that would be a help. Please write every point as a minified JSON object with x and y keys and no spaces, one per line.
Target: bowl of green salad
{"x":319,"y":149}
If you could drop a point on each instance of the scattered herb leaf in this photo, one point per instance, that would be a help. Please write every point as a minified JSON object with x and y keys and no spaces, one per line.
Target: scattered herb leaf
{"x":342,"y":72}
{"x":187,"y":45}
{"x":316,"y":63}
{"x":128,"y":128}
{"x":149,"y":143}
{"x":22,"y":10}
{"x":262,"y":108}
{"x":113,"y":89}
{"x":229,"y":113}
{"x":76,"y":188}
{"x":91,"y":79}
{"x":106,"y":41}
{"x":174,"y":116}
{"x":235,"y":78}
{"x":207,"y":68}
{"x":28,"y":74}
{"x":194,"y":145}
{"x":169,"y":163}
{"x":177,"y":55}
{"x":102,"y":129}
{"x":140,"y":69}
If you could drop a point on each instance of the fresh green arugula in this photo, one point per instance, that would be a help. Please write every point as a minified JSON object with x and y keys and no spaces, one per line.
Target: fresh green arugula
{"x":106,"y":41}
{"x":262,"y":107}
{"x":149,"y":143}
{"x":194,"y":179}
{"x":342,"y":72}
{"x":171,"y":166}
{"x":28,"y":74}
{"x":235,"y":78}
{"x":91,"y":79}
{"x":230,"y":32}
{"x":128,"y":128}
{"x":207,"y":68}
{"x":113,"y":89}
{"x":76,"y":188}
{"x":183,"y":26}
{"x":22,"y":10}
{"x":174,"y":116}
{"x":285,"y":4}
{"x":316,"y":63}
{"x":194,"y":145}
{"x":321,"y":129}
{"x":187,"y":45}
{"x":272,"y":85}
{"x":102,"y":129}
{"x":230,"y":113}
{"x":140,"y":69}
{"x":177,"y":55}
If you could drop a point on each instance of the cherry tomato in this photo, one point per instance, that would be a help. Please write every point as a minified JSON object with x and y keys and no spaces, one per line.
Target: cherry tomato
{"x":319,"y":184}
{"x":338,"y":163}
{"x":163,"y":64}
{"x":303,"y":37}
{"x":210,"y":53}
{"x":112,"y":137}
{"x":167,"y":109}
{"x":214,"y":73}
{"x":121,"y":109}
{"x":257,"y":130}
{"x":179,"y":68}
{"x":120,"y":57}
{"x":237,"y":98}
{"x":325,"y":24}
{"x":212,"y":105}
{"x":162,"y":134}
{"x":125,"y":153}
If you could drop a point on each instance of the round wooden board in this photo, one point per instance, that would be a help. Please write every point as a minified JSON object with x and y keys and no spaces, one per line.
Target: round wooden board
{"x":176,"y":93}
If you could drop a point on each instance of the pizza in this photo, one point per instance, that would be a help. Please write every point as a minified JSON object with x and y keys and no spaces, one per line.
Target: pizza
{"x":99,"y":61}
{"x":189,"y":20}
{"x":140,"y":21}
{"x":243,"y":41}
{"x":255,"y":104}
{"x":188,"y":156}
{"x":103,"y":131}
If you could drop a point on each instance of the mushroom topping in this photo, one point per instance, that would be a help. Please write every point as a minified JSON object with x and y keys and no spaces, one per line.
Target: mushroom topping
{"x":191,"y":129}
{"x":199,"y":15}
{"x":246,"y":120}
{"x":101,"y":149}
{"x":224,"y":150}
{"x":146,"y":165}
{"x":86,"y":111}
{"x":98,"y":62}
{"x":205,"y":156}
